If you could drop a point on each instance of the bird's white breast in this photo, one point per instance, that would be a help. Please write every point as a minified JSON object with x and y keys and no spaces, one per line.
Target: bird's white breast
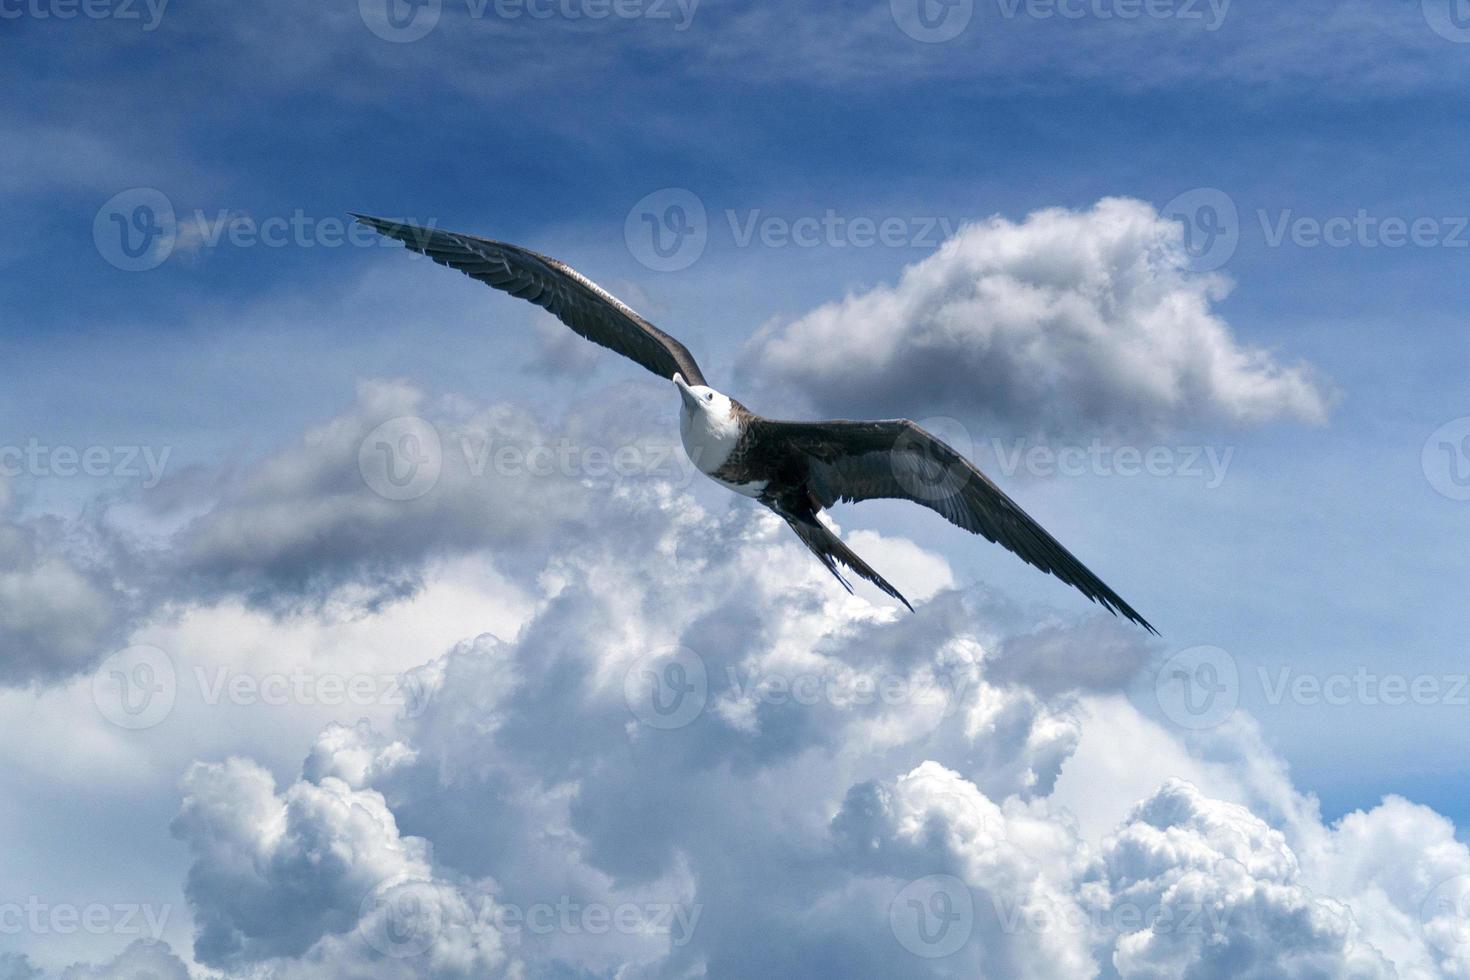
{"x":709,"y":441}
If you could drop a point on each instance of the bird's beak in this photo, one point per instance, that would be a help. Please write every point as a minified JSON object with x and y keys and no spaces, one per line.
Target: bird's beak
{"x":691,"y":401}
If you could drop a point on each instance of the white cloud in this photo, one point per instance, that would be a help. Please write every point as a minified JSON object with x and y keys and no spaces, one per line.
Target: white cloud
{"x":1067,"y":320}
{"x":319,"y":872}
{"x":840,"y":758}
{"x":1202,"y":888}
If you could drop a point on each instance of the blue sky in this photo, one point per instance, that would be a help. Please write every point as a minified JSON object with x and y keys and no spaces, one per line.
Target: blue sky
{"x":1327,"y":548}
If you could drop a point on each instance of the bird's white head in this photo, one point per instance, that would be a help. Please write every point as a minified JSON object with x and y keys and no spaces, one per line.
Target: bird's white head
{"x":707,"y":423}
{"x":703,"y":403}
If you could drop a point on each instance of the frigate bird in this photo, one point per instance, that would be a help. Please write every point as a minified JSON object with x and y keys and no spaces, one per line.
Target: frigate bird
{"x":797,"y":469}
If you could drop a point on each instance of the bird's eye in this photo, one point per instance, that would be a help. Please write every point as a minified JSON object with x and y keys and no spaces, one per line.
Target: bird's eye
{"x":709,"y":398}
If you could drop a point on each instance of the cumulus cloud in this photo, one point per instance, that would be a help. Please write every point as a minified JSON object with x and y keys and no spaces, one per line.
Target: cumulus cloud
{"x":693,"y":755}
{"x":1209,"y":890}
{"x":1066,"y":321}
{"x":765,"y":775}
{"x":295,"y":875}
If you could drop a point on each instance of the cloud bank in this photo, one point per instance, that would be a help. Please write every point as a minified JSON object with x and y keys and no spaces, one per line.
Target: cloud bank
{"x":717,"y":765}
{"x":1067,"y":321}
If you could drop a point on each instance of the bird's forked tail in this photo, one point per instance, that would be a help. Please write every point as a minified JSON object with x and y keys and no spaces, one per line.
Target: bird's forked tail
{"x":831,"y":549}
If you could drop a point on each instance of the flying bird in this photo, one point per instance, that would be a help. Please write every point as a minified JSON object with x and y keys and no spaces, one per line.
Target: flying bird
{"x":795,"y":468}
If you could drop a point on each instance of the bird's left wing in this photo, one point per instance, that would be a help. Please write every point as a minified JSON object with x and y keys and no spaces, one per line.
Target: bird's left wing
{"x":555,"y":286}
{"x":852,"y":461}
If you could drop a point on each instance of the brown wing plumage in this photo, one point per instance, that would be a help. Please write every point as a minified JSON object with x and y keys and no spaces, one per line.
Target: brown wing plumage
{"x":554,"y":286}
{"x":852,"y":461}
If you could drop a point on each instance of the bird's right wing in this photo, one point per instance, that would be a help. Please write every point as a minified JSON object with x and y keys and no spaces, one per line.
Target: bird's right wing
{"x":852,"y":461}
{"x":555,"y":286}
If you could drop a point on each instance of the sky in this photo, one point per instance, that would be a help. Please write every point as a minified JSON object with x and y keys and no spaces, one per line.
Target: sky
{"x":1187,"y":278}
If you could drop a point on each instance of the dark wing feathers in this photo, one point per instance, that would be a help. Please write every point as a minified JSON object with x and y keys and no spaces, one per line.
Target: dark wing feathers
{"x":554,"y":286}
{"x":852,"y":461}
